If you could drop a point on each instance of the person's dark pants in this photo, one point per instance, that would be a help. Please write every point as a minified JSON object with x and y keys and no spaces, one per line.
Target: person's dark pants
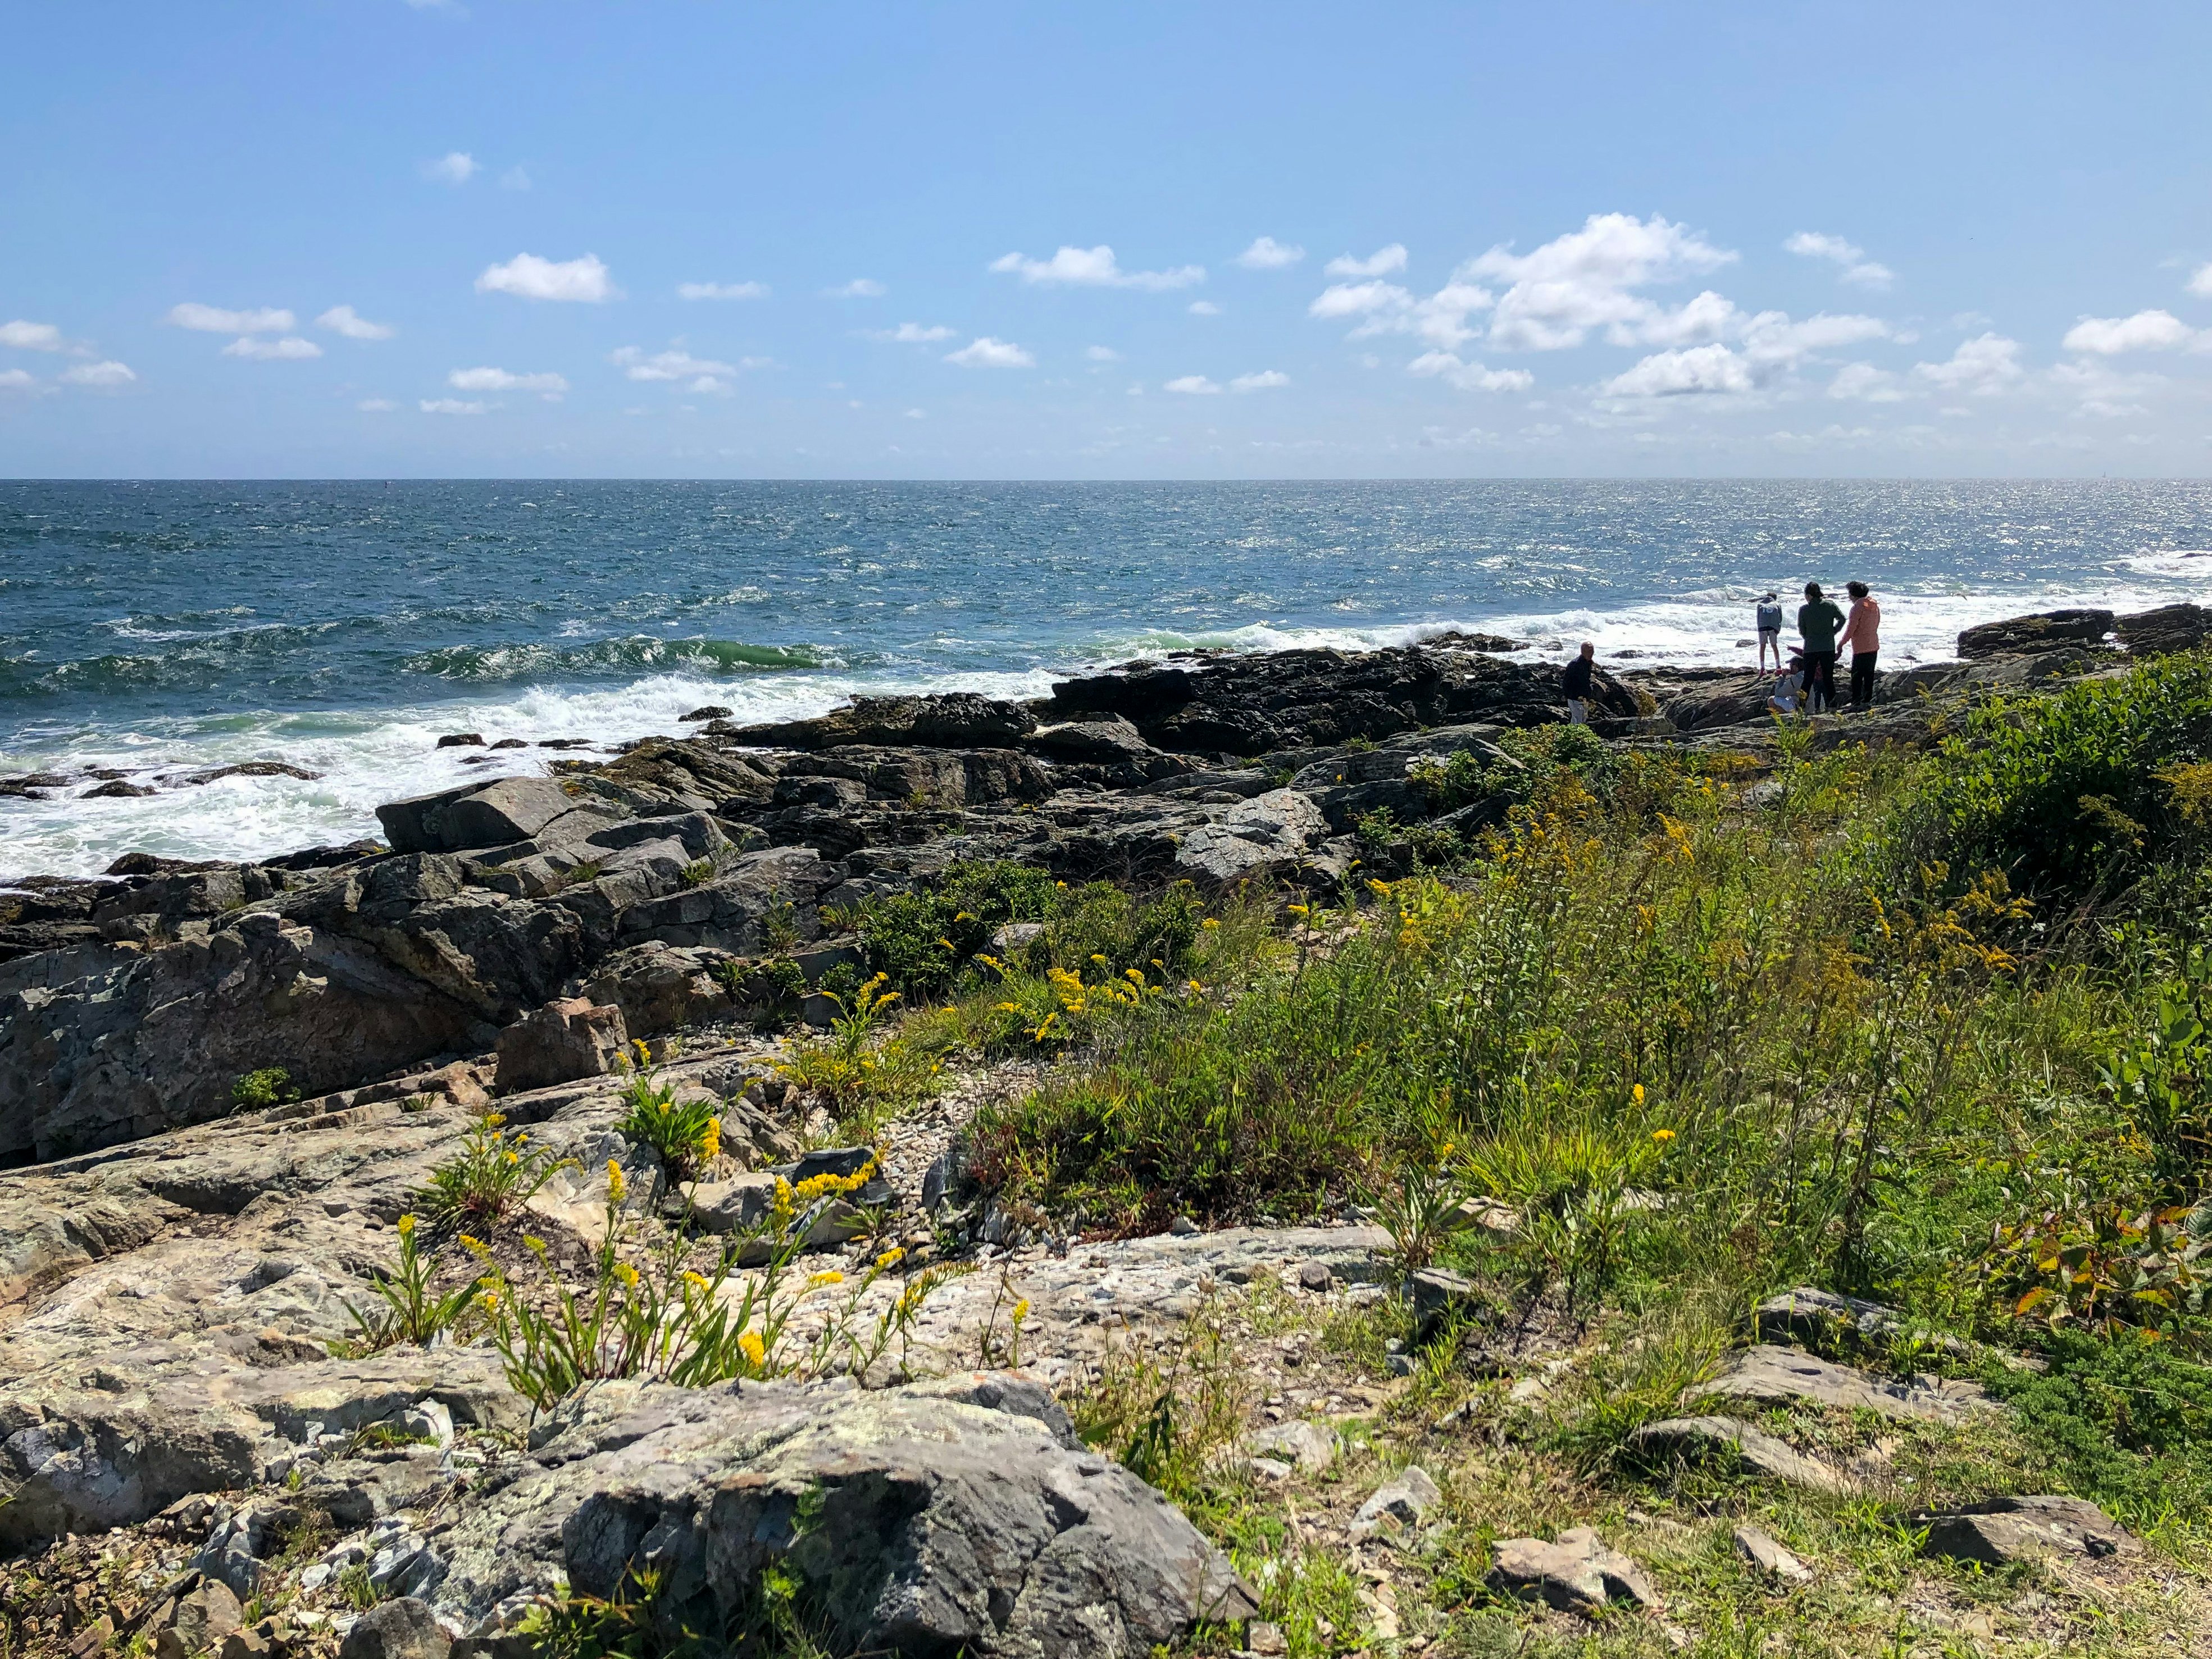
{"x":1863,"y":679}
{"x":1819,"y":681}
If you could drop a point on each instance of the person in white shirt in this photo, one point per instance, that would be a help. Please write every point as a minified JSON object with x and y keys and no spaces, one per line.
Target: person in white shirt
{"x":1770,"y":632}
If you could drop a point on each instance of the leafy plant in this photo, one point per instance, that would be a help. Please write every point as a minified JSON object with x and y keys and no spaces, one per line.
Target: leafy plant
{"x":412,"y":1312}
{"x":271,"y":1086}
{"x":685,"y":1136}
{"x":492,"y":1176}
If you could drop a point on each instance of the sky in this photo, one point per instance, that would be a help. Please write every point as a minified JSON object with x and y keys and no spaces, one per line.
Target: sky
{"x":534,"y":238}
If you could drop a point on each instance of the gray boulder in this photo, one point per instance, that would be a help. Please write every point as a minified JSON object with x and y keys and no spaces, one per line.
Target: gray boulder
{"x":1999,"y":1531}
{"x":1774,"y":1376}
{"x":1577,"y":1573}
{"x":561,"y":1041}
{"x":922,"y":1521}
{"x":401,"y":1628}
{"x":2041,"y":632}
{"x":474,"y":815}
{"x":956,"y":720}
{"x":1269,"y":834}
{"x":1736,"y":1445}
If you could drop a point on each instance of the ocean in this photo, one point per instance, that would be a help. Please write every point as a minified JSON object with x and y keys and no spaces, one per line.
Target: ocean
{"x":156,"y":628}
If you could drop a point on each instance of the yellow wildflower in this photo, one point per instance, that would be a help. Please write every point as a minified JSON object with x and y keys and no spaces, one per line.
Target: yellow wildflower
{"x":406,"y":1225}
{"x":1135,"y":975}
{"x":514,"y":1157}
{"x":1009,"y":1008}
{"x":491,"y":1302}
{"x":493,"y":1120}
{"x":697,"y":1281}
{"x":1296,"y":909}
{"x":1637,"y":1094}
{"x":751,"y":1345}
{"x":827,"y":1276}
{"x":1021,"y":1311}
{"x":891,"y":1257}
{"x":469,"y":1242}
{"x":1663,"y":1136}
{"x":614,"y":1181}
{"x":1209,"y":922}
{"x":626,"y":1273}
{"x":1099,"y":958}
{"x":710,"y":1140}
{"x":1195,"y":987}
{"x":534,"y":1244}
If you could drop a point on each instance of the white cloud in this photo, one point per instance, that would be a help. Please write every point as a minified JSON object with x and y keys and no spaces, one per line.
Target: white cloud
{"x":17,"y":380}
{"x":451,"y":407}
{"x":917,"y":413}
{"x":1706,"y":368}
{"x":1866,"y":383}
{"x":1094,"y":267}
{"x":30,"y":337}
{"x":1771,"y":339}
{"x":860,"y":287}
{"x":110,"y":374}
{"x":910,"y":334}
{"x":673,"y":365}
{"x":212,"y":320}
{"x":514,"y":178}
{"x":1193,"y":385}
{"x":1266,"y":380}
{"x":1203,"y":308}
{"x":345,"y":319}
{"x":2146,"y":331}
{"x":290,"y":349}
{"x":1358,"y":299}
{"x":376,"y":406}
{"x":1984,"y":365}
{"x":721,"y":290}
{"x":1470,"y":377}
{"x":2201,"y":284}
{"x":456,"y":166}
{"x":584,"y":281}
{"x":1102,"y":355}
{"x":1266,"y":253}
{"x":1857,"y":267}
{"x":988,"y":353}
{"x":1584,"y":280}
{"x":1381,"y":263}
{"x":1386,"y":308}
{"x":500,"y":379}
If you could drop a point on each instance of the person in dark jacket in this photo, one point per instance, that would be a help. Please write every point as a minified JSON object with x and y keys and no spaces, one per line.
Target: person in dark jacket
{"x":1817,"y":623}
{"x":1574,"y":681}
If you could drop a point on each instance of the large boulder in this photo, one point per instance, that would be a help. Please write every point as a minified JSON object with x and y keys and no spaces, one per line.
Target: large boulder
{"x":1999,"y":1531}
{"x":2169,"y":628}
{"x":2042,"y":632}
{"x":925,"y":1520}
{"x":474,"y":815}
{"x":955,"y":719}
{"x":1269,"y":834}
{"x":565,"y":1040}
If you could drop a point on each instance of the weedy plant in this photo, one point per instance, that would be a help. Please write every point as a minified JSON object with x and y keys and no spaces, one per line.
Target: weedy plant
{"x":686,"y":1136}
{"x":412,"y":1312}
{"x":492,"y":1176}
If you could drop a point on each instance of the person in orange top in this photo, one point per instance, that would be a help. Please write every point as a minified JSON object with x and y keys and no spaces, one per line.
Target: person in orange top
{"x":1861,"y":632}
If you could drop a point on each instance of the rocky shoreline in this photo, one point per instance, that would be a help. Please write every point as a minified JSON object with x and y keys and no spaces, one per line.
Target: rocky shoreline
{"x":178,"y":1256}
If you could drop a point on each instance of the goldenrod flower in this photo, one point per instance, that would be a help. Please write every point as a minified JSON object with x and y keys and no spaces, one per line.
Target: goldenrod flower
{"x":891,"y":1257}
{"x":614,"y":1186}
{"x":1636,"y":1094}
{"x":493,"y":1120}
{"x":470,"y":1242}
{"x":406,"y":1225}
{"x":827,"y":1276}
{"x":514,"y":1157}
{"x":1209,"y":922}
{"x":697,"y":1281}
{"x":1021,"y":1311}
{"x":751,"y":1345}
{"x":710,"y":1140}
{"x":1296,"y":909}
{"x":534,"y":1244}
{"x":491,"y":1302}
{"x":1663,"y":1136}
{"x":626,"y":1273}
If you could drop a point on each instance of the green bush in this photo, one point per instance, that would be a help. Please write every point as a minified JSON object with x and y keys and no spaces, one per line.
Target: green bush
{"x":2081,"y":789}
{"x":2127,"y":1422}
{"x":922,"y":939}
{"x":271,"y":1086}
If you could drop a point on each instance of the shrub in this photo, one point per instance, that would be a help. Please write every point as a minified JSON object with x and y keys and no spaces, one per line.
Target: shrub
{"x":920,"y":941}
{"x":271,"y":1086}
{"x":493,"y":1175}
{"x":685,"y":1137}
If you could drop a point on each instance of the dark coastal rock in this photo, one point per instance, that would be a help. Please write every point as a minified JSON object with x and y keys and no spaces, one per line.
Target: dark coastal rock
{"x":2041,"y":632}
{"x":461,"y":740}
{"x":956,"y":720}
{"x":565,"y":1040}
{"x":474,"y":815}
{"x":713,"y":711}
{"x":263,"y":769}
{"x":2000,"y":1531}
{"x":2168,"y":628}
{"x":118,"y":790}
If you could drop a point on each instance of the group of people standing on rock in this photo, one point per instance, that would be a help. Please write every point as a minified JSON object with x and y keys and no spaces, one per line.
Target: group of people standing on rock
{"x":1809,"y":683}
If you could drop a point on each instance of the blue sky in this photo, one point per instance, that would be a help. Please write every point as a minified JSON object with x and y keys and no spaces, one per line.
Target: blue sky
{"x":375,"y":238}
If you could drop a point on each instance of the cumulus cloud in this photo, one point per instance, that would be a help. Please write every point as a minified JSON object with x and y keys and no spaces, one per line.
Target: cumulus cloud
{"x":212,"y":320}
{"x":1094,"y":267}
{"x":1857,"y":267}
{"x":721,"y":290}
{"x":30,"y":337}
{"x":1266,"y":253}
{"x":584,"y":281}
{"x":1381,"y":263}
{"x":105,"y":375}
{"x":860,"y":287}
{"x":514,"y":178}
{"x":451,"y":407}
{"x":1866,"y":383}
{"x":1204,"y":308}
{"x":17,"y":380}
{"x":1470,"y":377}
{"x":345,"y":319}
{"x":1706,"y":368}
{"x":988,"y":353}
{"x":1358,"y":299}
{"x":1266,"y":380}
{"x":500,"y":379}
{"x":1192,"y":384}
{"x":290,"y":349}
{"x":455,"y":166}
{"x":1982,"y":366}
{"x":2201,"y":284}
{"x":672,"y":365}
{"x":910,"y":334}
{"x":1585,"y":280}
{"x":2146,"y":331}
{"x":1102,"y":355}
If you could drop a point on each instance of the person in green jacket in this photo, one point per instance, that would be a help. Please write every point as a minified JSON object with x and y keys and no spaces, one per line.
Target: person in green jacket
{"x":1818,"y":621}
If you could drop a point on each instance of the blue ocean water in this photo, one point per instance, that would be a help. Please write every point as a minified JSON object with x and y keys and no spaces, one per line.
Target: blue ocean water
{"x":157,"y":628}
